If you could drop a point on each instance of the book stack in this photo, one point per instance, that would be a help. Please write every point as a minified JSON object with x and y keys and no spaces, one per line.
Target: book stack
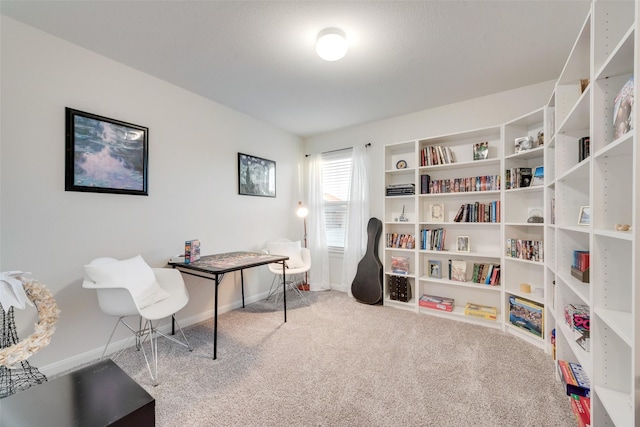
{"x":481,"y":311}
{"x":531,"y":250}
{"x":191,"y":251}
{"x":399,"y":288}
{"x":401,"y":241}
{"x":437,"y":303}
{"x":436,"y":155}
{"x":432,"y":239}
{"x":517,"y":178}
{"x":479,"y":212}
{"x":580,"y":266}
{"x":459,"y":185}
{"x":574,"y":379}
{"x":583,"y":148}
{"x":527,"y":315}
{"x":486,"y":274}
{"x":401,"y":189}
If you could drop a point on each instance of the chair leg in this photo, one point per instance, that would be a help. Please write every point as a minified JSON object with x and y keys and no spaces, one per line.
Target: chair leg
{"x":275,"y":286}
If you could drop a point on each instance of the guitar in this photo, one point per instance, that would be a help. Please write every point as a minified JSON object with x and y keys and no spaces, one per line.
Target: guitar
{"x":367,"y":284}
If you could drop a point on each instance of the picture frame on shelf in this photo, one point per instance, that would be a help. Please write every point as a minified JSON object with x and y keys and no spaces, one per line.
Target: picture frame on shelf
{"x":462,"y":243}
{"x":436,"y":212}
{"x":435,"y":269}
{"x":584,"y":217}
{"x":256,"y":176}
{"x":481,"y":150}
{"x":105,"y":155}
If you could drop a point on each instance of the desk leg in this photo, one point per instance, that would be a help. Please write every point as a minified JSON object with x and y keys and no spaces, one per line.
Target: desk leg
{"x":215,"y":321}
{"x":284,"y":291}
{"x":242,"y":283}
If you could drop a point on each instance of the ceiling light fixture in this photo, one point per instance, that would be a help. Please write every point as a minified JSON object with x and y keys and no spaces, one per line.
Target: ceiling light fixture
{"x":332,"y":44}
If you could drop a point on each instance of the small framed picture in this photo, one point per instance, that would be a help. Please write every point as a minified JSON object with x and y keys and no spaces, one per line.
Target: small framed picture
{"x":435,"y":269}
{"x":462,"y":244}
{"x":584,"y":217}
{"x":480,"y":150}
{"x":437,"y":212}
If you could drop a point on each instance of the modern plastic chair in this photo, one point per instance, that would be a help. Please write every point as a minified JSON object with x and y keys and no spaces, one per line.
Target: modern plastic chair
{"x":118,"y":301}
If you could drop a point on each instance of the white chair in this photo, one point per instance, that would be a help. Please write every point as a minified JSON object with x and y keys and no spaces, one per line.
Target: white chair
{"x":298,"y":264}
{"x":123,"y":290}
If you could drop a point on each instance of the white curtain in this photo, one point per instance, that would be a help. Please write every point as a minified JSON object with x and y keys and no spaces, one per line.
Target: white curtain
{"x":358,"y":215}
{"x":317,"y":240}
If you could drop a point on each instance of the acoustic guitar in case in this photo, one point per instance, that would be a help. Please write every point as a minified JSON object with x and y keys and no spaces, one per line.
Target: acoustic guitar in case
{"x":367,"y":285}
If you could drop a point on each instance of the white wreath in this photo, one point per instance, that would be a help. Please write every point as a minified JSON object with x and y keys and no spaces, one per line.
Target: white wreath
{"x":48,"y":314}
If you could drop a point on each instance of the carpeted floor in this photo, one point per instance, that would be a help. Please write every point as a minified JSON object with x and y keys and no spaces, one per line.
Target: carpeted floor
{"x":341,"y":363}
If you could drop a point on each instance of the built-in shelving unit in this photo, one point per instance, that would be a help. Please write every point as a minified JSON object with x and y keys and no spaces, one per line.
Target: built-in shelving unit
{"x":583,"y":201}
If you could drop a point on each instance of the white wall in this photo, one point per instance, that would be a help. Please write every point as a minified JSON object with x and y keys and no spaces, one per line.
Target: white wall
{"x":193,"y":149}
{"x":476,"y":113}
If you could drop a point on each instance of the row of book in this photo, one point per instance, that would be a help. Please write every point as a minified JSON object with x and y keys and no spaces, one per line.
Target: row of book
{"x":401,"y":241}
{"x":400,"y":189}
{"x":517,"y":178}
{"x":436,"y":155}
{"x":583,"y":148}
{"x":580,"y":260}
{"x":478,"y":212}
{"x":459,"y":185}
{"x":432,"y":239}
{"x":578,"y":388}
{"x":488,"y":274}
{"x":530,"y":250}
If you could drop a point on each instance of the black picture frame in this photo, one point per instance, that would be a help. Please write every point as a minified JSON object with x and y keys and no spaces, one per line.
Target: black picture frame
{"x":256,"y":176}
{"x":105,"y":155}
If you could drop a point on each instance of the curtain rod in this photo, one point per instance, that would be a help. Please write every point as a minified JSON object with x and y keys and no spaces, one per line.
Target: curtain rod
{"x":368,"y":144}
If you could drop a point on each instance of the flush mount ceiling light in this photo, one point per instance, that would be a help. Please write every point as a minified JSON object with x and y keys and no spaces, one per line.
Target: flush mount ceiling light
{"x":331,"y":44}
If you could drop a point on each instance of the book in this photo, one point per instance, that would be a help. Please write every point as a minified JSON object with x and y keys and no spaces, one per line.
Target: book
{"x":400,"y":264}
{"x":538,"y":176}
{"x":436,"y":302}
{"x":459,"y":270}
{"x":623,"y":110}
{"x":480,"y":150}
{"x":527,"y":315}
{"x":574,"y":379}
{"x":481,"y":311}
{"x":577,"y":406}
{"x":191,"y":251}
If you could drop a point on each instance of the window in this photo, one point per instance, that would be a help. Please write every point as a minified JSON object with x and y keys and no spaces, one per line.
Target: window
{"x":336,"y":176}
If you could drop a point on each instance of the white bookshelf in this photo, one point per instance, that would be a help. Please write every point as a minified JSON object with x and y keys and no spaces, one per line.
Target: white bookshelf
{"x":605,"y":55}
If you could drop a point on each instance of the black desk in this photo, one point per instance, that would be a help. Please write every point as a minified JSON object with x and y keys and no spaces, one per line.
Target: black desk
{"x":214,"y":267}
{"x":97,"y":395}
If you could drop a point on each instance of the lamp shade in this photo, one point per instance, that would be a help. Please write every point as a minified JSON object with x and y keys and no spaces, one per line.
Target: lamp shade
{"x":302,"y":210}
{"x":332,"y":44}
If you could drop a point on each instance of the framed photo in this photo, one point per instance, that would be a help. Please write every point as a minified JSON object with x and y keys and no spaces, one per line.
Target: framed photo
{"x":462,"y":243}
{"x":437,"y":212}
{"x":584,"y":217}
{"x":435,"y":269}
{"x":256,"y":176}
{"x":480,"y":150}
{"x":105,"y":155}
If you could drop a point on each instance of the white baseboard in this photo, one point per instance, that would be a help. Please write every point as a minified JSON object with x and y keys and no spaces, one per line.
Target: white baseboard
{"x":81,"y":359}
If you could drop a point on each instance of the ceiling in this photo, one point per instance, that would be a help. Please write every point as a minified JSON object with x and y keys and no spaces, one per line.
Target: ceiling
{"x":258,"y":57}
